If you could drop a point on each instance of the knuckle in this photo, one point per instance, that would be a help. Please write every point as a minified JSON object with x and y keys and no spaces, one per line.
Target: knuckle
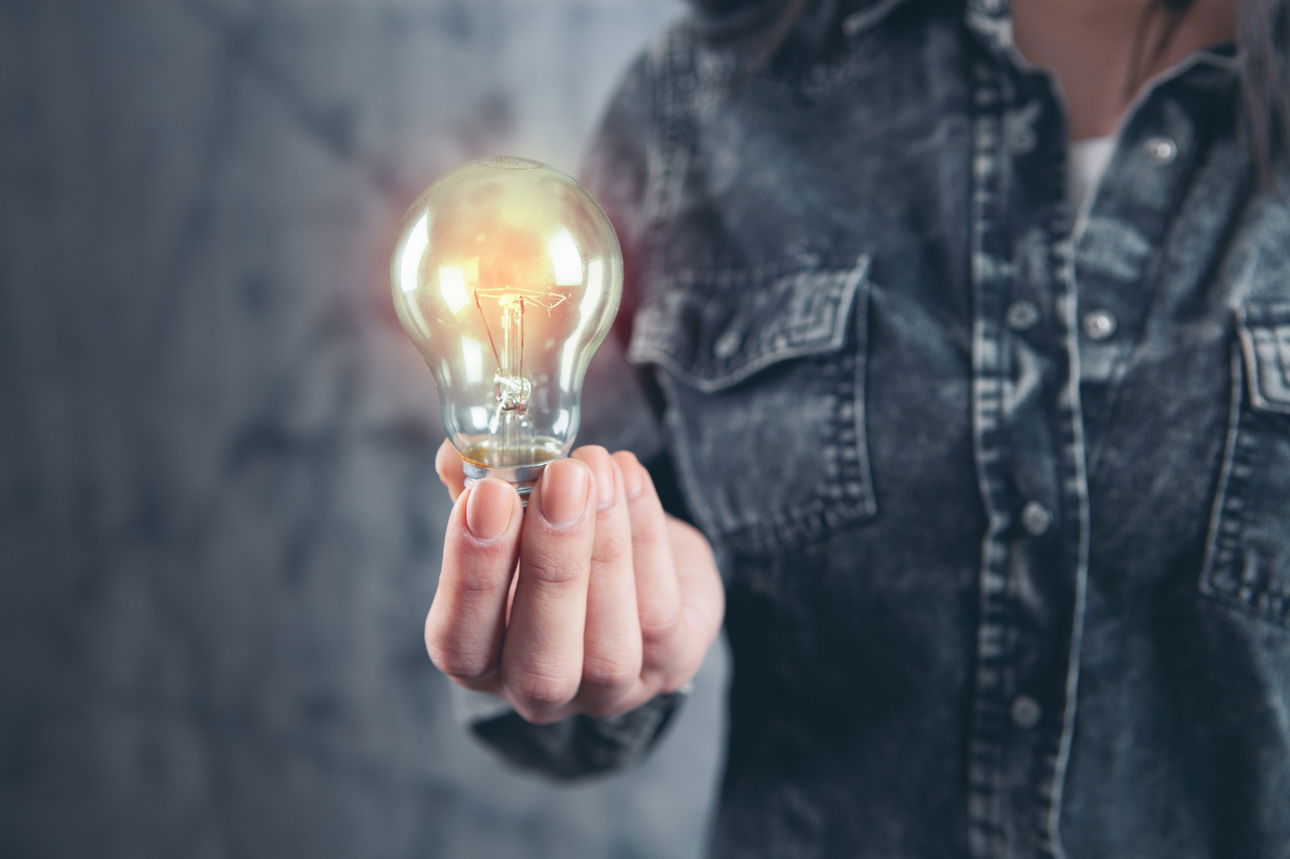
{"x":609,"y":547}
{"x":553,"y":566}
{"x":606,"y":674}
{"x":540,"y":693}
{"x":659,"y":626}
{"x":455,"y":662}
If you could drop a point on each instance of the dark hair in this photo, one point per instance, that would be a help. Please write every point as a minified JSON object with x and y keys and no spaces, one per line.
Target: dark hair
{"x":757,"y":28}
{"x":1264,"y":43}
{"x":760,"y":28}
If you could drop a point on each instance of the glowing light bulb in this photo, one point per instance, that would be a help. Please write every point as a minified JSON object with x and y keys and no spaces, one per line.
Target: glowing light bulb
{"x":507,"y":276}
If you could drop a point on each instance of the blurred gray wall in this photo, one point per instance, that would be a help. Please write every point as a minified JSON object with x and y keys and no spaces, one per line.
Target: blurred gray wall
{"x":219,"y":521}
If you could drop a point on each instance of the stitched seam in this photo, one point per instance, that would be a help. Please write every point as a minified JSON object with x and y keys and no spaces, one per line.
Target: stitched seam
{"x":850,"y":499}
{"x":1260,"y":348}
{"x":1215,"y":550}
{"x":1219,"y":580}
{"x":782,"y":339}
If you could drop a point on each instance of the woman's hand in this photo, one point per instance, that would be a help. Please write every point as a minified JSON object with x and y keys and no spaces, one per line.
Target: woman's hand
{"x":592,"y":601}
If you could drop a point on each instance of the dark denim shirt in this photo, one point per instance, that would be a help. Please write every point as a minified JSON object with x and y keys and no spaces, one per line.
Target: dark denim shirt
{"x":1004,"y":517}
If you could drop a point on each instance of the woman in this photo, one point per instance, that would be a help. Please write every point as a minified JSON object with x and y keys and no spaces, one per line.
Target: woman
{"x":998,"y":468}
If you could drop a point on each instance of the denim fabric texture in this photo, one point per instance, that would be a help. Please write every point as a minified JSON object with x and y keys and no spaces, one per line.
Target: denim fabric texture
{"x":1004,"y":517}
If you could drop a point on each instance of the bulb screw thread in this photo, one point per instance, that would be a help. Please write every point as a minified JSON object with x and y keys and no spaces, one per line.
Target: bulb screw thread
{"x":523,"y":477}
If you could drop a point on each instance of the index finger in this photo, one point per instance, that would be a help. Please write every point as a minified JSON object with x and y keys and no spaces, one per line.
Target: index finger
{"x":542,"y":653}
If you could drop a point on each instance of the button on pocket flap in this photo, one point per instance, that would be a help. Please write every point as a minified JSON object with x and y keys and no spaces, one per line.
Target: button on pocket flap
{"x":715,"y":329}
{"x":1265,"y":342}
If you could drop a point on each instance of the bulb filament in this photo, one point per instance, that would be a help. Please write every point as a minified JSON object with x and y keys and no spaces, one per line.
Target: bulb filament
{"x":510,"y":421}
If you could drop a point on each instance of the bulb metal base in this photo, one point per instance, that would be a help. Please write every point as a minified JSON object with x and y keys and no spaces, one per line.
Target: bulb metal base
{"x":523,"y":477}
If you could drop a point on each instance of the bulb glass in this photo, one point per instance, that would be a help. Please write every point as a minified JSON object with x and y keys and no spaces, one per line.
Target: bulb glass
{"x":507,"y":275}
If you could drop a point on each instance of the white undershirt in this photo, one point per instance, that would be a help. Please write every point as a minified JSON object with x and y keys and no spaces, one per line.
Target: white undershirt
{"x":1088,"y":160}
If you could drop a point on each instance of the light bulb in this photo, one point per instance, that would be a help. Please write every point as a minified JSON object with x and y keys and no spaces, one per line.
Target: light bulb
{"x":507,"y":275}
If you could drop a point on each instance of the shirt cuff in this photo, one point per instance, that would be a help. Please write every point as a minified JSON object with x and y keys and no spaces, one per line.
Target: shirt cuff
{"x":574,"y":747}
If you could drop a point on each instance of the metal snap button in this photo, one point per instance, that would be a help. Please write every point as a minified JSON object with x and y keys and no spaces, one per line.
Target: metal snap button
{"x":1025,"y":712}
{"x":853,"y":23}
{"x":1163,"y":150}
{"x":1035,"y":518}
{"x":1099,"y":324}
{"x":1021,"y":136}
{"x":727,"y":344}
{"x":1022,"y":315}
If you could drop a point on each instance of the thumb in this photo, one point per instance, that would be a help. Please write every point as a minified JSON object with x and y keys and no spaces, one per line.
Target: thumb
{"x":447,"y":464}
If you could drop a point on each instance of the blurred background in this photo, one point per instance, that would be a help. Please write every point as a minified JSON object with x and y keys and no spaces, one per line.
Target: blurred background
{"x":219,"y":520}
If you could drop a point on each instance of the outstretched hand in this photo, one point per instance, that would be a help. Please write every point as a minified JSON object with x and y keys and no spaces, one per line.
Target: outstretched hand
{"x":591,"y":601}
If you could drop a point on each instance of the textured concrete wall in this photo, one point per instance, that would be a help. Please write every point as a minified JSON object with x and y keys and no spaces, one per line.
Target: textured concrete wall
{"x":219,"y":522}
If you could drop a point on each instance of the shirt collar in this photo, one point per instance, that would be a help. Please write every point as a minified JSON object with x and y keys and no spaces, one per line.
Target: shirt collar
{"x":989,"y":18}
{"x":868,"y":14}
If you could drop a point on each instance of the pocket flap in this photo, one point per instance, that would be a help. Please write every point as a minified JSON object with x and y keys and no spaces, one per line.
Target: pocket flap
{"x":1265,"y":342}
{"x":715,"y":329}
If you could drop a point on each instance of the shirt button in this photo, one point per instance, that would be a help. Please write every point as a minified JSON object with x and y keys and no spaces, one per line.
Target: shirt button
{"x":1162,"y":150}
{"x":1021,"y":137}
{"x":727,"y":344}
{"x":1025,"y":712}
{"x":1022,"y":315}
{"x":1035,"y":518}
{"x":1099,"y":324}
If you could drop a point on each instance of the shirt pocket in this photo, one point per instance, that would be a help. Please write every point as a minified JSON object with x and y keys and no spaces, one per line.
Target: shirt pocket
{"x":1247,"y":557}
{"x":763,"y":370}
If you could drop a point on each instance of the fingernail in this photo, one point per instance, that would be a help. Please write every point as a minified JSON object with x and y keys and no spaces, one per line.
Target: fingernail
{"x":489,"y":509}
{"x":564,"y":492}
{"x":633,"y":481}
{"x":604,"y":482}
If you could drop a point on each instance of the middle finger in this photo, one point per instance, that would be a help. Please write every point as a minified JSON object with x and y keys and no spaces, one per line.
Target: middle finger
{"x":611,"y":664}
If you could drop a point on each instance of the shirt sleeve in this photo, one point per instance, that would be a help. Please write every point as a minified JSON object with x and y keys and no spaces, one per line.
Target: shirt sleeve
{"x":622,"y":405}
{"x":622,"y":411}
{"x":572,"y":748}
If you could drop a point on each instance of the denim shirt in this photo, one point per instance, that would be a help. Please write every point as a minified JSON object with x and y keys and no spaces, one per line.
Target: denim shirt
{"x":1004,"y":516}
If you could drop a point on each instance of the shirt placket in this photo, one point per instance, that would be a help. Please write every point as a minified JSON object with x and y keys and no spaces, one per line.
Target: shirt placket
{"x":1030,"y":463}
{"x":1119,"y":256}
